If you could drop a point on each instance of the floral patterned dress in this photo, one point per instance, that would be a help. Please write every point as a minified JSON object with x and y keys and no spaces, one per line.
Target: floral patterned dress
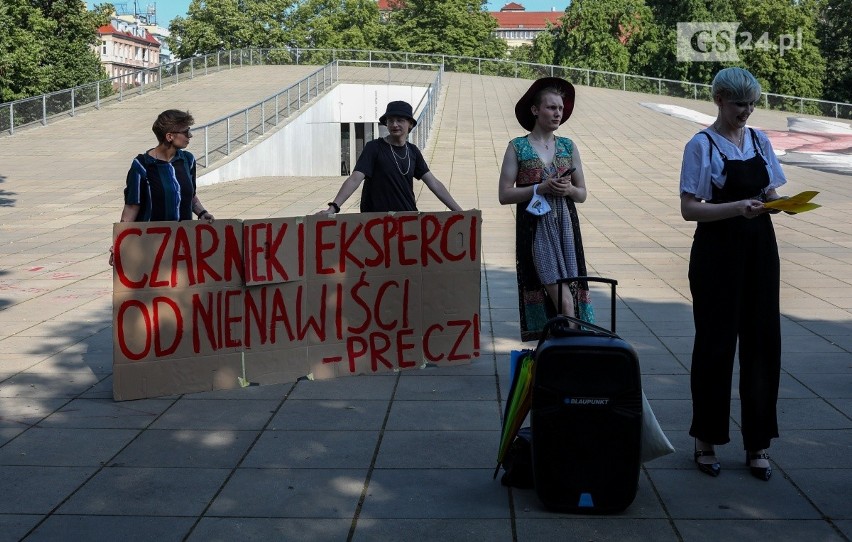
{"x":550,"y":247}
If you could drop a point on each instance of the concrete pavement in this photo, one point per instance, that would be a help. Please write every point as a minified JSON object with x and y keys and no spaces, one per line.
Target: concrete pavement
{"x":407,"y":456}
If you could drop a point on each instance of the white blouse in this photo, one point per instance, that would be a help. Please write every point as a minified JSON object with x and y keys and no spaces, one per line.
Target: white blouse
{"x":699,"y":170}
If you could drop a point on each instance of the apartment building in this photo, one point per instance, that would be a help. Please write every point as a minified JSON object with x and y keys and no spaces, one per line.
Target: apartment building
{"x":126,"y":50}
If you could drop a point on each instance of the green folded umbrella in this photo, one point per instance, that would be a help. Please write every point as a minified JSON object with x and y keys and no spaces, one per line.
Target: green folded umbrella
{"x":517,"y":405}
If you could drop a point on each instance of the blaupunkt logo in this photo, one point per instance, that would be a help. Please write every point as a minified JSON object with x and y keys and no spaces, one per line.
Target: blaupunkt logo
{"x":586,"y":401}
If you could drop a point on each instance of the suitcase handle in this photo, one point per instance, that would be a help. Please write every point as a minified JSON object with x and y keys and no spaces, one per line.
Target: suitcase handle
{"x":560,"y":326}
{"x":612,"y":283}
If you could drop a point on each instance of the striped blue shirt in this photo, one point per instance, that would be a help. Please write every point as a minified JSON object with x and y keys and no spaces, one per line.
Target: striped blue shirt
{"x":163,"y":190}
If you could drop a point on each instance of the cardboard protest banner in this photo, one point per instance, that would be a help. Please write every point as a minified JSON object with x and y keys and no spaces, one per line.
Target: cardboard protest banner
{"x":199,"y":307}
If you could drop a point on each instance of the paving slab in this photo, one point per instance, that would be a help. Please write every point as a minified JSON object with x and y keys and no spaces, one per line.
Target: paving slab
{"x":226,"y":529}
{"x":290,"y":493}
{"x":146,"y":491}
{"x":106,"y":528}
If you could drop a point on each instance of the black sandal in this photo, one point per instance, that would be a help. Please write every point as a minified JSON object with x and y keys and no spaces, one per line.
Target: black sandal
{"x":761,"y":473}
{"x":712,"y":469}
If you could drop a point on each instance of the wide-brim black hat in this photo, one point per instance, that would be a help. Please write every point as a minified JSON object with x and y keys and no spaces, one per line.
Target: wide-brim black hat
{"x":523,"y":109}
{"x":398,"y":109}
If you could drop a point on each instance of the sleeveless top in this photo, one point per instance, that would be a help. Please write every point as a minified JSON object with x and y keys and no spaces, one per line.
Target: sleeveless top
{"x":531,"y":169}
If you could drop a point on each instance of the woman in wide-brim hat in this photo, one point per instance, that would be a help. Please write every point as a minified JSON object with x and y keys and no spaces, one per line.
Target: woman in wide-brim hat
{"x":543,"y":165}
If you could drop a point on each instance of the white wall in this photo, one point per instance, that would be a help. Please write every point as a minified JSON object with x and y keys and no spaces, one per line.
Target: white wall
{"x":309,"y":145}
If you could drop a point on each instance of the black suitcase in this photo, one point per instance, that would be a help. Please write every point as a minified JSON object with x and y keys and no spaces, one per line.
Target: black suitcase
{"x":586,"y":416}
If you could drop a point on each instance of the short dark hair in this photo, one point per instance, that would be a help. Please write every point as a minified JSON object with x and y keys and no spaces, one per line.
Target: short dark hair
{"x":171,"y":120}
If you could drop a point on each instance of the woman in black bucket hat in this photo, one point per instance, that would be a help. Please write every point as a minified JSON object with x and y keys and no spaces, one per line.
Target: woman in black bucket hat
{"x":542,"y":174}
{"x":388,"y":166}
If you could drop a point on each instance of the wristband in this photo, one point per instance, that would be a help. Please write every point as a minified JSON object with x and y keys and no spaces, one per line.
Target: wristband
{"x":335,"y":206}
{"x":202,"y":213}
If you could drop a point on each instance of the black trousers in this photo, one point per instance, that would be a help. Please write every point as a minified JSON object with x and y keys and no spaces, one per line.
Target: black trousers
{"x":734,"y":277}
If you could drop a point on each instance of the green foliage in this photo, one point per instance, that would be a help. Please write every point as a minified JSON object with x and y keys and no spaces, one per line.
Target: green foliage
{"x":448,"y":27}
{"x":797,"y":71}
{"x":212,"y":25}
{"x":518,"y":65}
{"x":543,"y":51}
{"x":663,"y":62}
{"x":21,"y":53}
{"x":336,"y":24}
{"x":602,"y":34}
{"x":835,"y":36}
{"x":46,"y":46}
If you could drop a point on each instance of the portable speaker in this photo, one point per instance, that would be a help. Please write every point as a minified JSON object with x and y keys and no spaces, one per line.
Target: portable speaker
{"x":586,"y":418}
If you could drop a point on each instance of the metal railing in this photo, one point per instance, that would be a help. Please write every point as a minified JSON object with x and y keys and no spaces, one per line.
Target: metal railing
{"x":40,"y":110}
{"x":228,"y":134}
{"x":427,"y":105}
{"x":225,"y":135}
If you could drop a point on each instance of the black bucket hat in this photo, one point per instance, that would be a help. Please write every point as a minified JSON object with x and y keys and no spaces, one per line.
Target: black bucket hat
{"x":398,"y":109}
{"x":523,"y":109}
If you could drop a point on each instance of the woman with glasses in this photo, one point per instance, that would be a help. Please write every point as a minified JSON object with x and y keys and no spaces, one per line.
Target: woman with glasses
{"x":161,"y":182}
{"x":729,"y":171}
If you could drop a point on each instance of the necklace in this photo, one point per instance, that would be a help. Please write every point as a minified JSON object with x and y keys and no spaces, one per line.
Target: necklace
{"x":741,"y":138}
{"x":544,"y":142}
{"x":398,"y":159}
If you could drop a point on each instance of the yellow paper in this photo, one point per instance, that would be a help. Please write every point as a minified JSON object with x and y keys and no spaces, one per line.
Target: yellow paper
{"x":795,"y":204}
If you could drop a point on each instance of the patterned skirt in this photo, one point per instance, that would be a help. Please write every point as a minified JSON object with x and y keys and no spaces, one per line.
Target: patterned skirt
{"x":558,"y":251}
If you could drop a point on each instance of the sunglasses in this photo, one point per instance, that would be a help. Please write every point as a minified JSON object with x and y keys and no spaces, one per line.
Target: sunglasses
{"x":186,"y":132}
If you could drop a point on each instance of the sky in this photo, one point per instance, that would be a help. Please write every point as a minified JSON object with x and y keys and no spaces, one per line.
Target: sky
{"x":169,"y":9}
{"x":166,"y":9}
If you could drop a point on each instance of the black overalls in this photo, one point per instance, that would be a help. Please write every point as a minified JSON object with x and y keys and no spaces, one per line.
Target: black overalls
{"x":734,"y":277}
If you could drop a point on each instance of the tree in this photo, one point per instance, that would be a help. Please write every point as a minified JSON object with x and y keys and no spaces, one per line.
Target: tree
{"x":449,"y":27}
{"x":521,"y":57}
{"x":74,"y":30}
{"x":336,"y":24}
{"x":600,"y":34}
{"x":212,"y":25}
{"x":767,"y":27}
{"x":542,"y":51}
{"x":46,"y":46}
{"x":664,"y":62}
{"x":20,"y":53}
{"x":835,"y":36}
